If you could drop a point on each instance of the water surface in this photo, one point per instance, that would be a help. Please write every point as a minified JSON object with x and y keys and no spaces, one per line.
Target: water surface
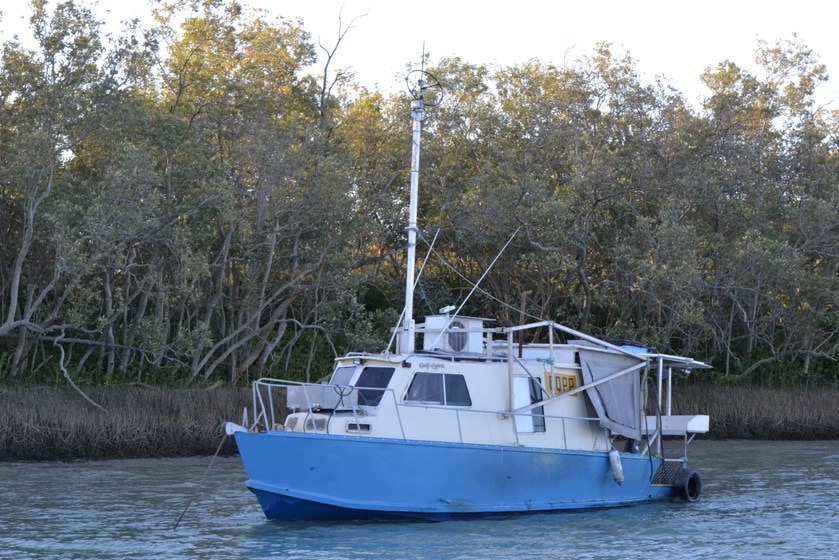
{"x":760,"y":500}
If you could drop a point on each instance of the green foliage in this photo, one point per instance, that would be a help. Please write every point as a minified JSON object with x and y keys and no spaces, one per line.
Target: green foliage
{"x":194,"y":207}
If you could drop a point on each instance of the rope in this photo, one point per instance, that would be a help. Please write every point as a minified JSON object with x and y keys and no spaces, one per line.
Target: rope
{"x":341,"y":394}
{"x":189,"y":502}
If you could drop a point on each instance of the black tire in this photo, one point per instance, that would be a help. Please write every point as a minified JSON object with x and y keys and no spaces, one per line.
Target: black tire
{"x":688,"y":485}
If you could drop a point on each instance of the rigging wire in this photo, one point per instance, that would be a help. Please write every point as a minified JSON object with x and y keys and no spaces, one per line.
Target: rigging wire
{"x":473,"y":285}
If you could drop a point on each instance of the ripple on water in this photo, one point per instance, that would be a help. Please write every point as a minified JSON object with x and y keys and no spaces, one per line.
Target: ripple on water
{"x":761,"y":499}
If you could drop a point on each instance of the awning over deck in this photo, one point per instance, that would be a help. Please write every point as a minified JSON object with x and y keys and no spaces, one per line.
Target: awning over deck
{"x":617,"y":394}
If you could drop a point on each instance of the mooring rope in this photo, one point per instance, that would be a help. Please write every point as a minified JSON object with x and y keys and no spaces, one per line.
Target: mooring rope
{"x":189,"y":502}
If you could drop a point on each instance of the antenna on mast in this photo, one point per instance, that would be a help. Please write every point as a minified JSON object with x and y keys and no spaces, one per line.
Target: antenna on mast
{"x":407,"y":341}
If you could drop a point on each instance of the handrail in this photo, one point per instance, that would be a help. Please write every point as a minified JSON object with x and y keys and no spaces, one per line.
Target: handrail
{"x":270,"y":385}
{"x":581,"y":388}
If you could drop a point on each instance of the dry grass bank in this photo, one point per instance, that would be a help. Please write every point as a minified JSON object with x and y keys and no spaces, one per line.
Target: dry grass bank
{"x":41,"y":423}
{"x":759,"y":413}
{"x":56,"y":423}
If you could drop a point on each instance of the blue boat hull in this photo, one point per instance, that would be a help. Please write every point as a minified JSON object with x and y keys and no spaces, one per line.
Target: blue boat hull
{"x":324,"y":477}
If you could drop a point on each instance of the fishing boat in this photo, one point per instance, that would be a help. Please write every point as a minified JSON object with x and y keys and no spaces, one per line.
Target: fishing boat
{"x":466,"y":419}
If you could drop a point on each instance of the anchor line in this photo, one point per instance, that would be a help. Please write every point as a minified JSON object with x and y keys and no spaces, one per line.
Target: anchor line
{"x":189,"y":502}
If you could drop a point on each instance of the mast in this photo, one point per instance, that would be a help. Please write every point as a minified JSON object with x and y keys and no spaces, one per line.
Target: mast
{"x":408,"y":326}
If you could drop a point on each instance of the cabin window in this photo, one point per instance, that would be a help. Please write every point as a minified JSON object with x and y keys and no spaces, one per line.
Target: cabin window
{"x":457,"y":394}
{"x":342,"y":376}
{"x":539,"y":411}
{"x":528,"y":391}
{"x":371,"y":384}
{"x":426,"y":388}
{"x":439,"y":388}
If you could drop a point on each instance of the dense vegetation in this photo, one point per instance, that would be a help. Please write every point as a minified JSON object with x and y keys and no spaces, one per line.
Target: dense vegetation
{"x":144,"y":421}
{"x":140,"y":421}
{"x":187,"y":203}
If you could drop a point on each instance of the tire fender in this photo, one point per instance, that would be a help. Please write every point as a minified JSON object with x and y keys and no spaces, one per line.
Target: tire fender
{"x":688,"y":485}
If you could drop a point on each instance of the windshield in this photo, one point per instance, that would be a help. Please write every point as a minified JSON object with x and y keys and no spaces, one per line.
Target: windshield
{"x":342,"y":376}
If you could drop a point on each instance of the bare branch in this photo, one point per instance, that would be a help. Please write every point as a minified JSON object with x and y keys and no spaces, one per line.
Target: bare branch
{"x":57,"y":343}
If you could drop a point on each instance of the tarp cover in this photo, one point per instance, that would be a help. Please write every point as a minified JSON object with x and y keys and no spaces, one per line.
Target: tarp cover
{"x":617,"y":401}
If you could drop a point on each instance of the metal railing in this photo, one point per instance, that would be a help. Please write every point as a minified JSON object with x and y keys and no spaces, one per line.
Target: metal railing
{"x":270,"y":404}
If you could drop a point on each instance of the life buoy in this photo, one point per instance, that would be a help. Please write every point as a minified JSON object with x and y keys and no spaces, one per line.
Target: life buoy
{"x":688,"y":485}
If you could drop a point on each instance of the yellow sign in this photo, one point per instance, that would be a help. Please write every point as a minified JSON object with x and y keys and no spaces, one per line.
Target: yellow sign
{"x":558,"y":383}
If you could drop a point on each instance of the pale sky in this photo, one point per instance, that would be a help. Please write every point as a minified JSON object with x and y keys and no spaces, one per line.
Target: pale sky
{"x":674,"y":39}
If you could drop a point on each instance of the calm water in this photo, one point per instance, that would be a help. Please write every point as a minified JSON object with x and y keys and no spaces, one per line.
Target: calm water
{"x":760,"y":500}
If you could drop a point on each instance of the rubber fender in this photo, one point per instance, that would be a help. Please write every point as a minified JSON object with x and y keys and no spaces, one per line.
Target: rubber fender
{"x":688,"y":485}
{"x":617,"y":468}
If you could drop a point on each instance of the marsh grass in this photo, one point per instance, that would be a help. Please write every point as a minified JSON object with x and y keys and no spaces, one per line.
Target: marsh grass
{"x":761,"y":413}
{"x":38,"y":423}
{"x":55,"y":423}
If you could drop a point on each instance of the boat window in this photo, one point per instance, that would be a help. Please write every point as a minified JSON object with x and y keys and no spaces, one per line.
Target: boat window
{"x":457,"y":394}
{"x":536,"y":395}
{"x":342,"y":376}
{"x":438,"y":388}
{"x":372,"y":383}
{"x":426,"y":388}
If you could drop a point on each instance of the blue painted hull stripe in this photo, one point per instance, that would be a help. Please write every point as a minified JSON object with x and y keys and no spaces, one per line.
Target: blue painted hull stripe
{"x":310,"y":475}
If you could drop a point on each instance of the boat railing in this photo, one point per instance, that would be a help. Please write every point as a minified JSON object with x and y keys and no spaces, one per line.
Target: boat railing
{"x":459,"y":413}
{"x":271,"y":406}
{"x":271,"y":401}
